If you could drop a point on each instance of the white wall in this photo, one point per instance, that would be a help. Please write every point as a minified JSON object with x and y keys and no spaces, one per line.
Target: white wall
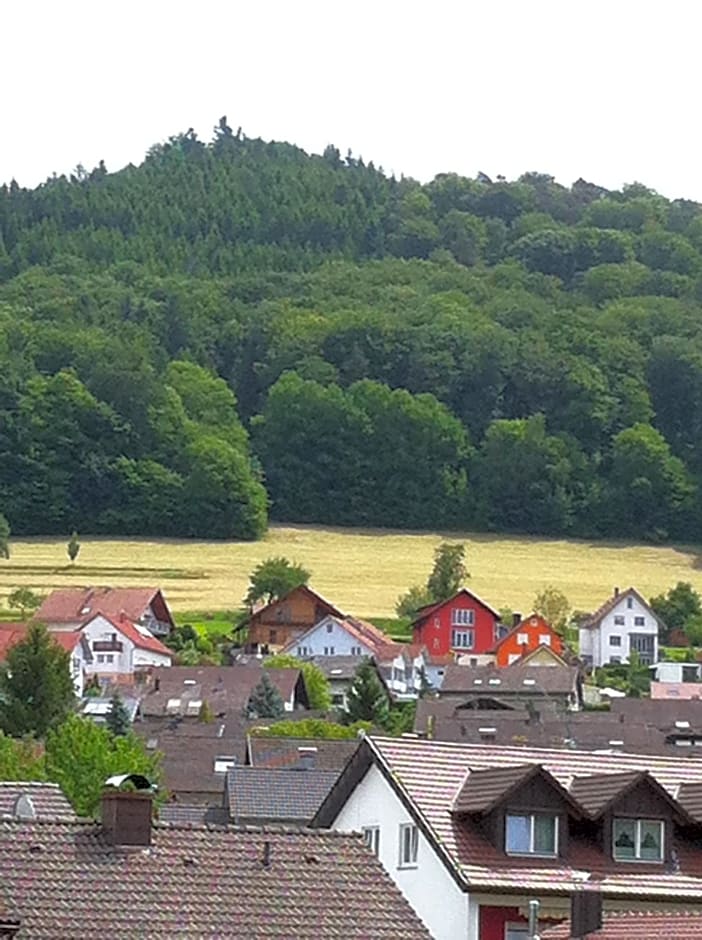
{"x":429,"y":888}
{"x":320,"y":638}
{"x":101,"y":629}
{"x":602,"y":649}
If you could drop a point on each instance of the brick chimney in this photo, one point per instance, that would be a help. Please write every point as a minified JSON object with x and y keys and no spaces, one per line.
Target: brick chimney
{"x":126,"y":814}
{"x":307,"y":757}
{"x":516,"y":619}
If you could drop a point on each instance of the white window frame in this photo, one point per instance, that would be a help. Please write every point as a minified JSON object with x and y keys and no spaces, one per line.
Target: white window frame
{"x":513,"y":657}
{"x":469,"y":634}
{"x":408,"y":845}
{"x":544,"y":639}
{"x":637,"y":840}
{"x":531,"y":853}
{"x":522,"y":639}
{"x":371,"y":838}
{"x":463,"y":617}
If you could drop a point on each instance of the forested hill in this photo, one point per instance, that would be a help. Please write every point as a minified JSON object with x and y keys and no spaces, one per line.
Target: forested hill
{"x":236,"y":327}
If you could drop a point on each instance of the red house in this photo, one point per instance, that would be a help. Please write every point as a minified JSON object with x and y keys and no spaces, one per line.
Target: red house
{"x":462,"y":624}
{"x":529,"y":634}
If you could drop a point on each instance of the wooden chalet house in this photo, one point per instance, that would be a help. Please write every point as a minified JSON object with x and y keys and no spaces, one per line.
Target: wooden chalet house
{"x":462,"y":624}
{"x":272,"y":626}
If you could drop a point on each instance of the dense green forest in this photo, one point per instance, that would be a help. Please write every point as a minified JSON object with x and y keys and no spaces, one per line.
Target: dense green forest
{"x":235,"y":329}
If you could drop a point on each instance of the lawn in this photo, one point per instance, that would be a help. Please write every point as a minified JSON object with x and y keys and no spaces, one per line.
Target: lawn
{"x":362,"y":571}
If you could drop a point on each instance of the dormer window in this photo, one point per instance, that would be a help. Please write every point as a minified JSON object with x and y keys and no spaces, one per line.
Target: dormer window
{"x":531,"y":834}
{"x":637,"y":840}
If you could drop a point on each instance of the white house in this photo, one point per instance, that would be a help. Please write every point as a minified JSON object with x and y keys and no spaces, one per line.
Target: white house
{"x":334,"y":636}
{"x":71,"y":608}
{"x":623,"y":624}
{"x":471,"y":833}
{"x":403,"y":668}
{"x":675,"y":672}
{"x":119,"y":648}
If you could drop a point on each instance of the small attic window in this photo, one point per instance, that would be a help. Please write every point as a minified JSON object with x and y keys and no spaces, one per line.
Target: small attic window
{"x":529,"y":681}
{"x":189,"y":682}
{"x":682,"y":724}
{"x":616,"y":743}
{"x":85,"y":610}
{"x":193,"y":708}
{"x":487,"y":730}
{"x":477,"y":681}
{"x":336,"y":672}
{"x":494,"y":681}
{"x":173,"y":704}
{"x":223,"y":764}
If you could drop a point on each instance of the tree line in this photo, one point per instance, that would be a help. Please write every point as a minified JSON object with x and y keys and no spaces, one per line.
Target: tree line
{"x":235,"y":329}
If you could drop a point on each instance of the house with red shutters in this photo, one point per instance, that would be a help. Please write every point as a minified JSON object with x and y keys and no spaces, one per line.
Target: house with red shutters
{"x":462,"y":624}
{"x":526,"y":637}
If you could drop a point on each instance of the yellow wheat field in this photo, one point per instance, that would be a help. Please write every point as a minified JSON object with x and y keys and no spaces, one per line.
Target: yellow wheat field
{"x":361,"y":571}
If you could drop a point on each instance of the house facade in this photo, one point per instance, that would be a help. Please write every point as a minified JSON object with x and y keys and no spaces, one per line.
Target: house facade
{"x":525,"y":637}
{"x":464,"y":624}
{"x":623,"y":624}
{"x":338,"y":636}
{"x":120,"y":649}
{"x":486,"y":829}
{"x":272,"y":626}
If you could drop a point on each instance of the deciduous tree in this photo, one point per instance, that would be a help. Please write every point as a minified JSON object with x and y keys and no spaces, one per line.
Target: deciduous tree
{"x":316,"y":683}
{"x":273,"y":578}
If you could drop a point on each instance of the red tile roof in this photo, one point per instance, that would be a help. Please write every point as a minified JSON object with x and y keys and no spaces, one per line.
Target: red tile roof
{"x":676,"y":690}
{"x":65,"y":880}
{"x":47,"y":799}
{"x":139,"y":636}
{"x":638,"y":925}
{"x":430,"y":774}
{"x":13,"y":633}
{"x":80,"y":604}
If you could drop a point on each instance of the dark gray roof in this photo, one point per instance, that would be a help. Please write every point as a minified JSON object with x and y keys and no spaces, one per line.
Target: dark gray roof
{"x":328,"y":753}
{"x":511,"y":680}
{"x":265,"y":795}
{"x":47,"y":800}
{"x":338,"y":668}
{"x":595,"y":793}
{"x":483,"y":789}
{"x":192,"y":814}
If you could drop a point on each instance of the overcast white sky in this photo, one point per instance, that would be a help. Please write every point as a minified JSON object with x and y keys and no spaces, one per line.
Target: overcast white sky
{"x":605,"y":90}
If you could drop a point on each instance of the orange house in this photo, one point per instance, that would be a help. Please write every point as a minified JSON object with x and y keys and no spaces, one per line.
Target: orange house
{"x":274,"y":625}
{"x":528,"y":635}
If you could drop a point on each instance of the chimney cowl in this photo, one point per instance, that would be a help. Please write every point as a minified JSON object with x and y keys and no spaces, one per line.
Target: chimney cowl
{"x":307,"y":757}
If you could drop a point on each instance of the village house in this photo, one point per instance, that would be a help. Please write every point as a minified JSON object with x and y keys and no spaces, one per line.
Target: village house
{"x":340,"y":671}
{"x":121,"y":651}
{"x":272,"y":626}
{"x":126,"y":876}
{"x":526,"y":636}
{"x":73,"y":642}
{"x":486,"y":829}
{"x":623,"y":624}
{"x":464,"y":623}
{"x":71,"y":608}
{"x":338,"y":636}
{"x":513,"y":686}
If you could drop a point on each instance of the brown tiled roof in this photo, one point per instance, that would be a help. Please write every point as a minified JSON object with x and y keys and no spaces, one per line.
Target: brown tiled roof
{"x":484,"y":789}
{"x":261,"y":608}
{"x":514,"y":679}
{"x":69,"y":604}
{"x":330,"y":754}
{"x":596,"y":792}
{"x":225,"y":688}
{"x":65,"y":881}
{"x":291,"y":795}
{"x":47,"y":799}
{"x":428,"y":774}
{"x":639,"y":925}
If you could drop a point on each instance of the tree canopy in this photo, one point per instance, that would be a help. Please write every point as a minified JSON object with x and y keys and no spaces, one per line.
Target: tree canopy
{"x":274,"y":578}
{"x":236,"y":327}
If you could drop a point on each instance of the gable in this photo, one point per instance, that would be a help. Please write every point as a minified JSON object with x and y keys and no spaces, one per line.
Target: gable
{"x":458,"y":600}
{"x":302,"y":605}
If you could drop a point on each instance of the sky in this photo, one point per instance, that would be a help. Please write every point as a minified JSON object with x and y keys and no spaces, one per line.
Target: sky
{"x":607,"y":91}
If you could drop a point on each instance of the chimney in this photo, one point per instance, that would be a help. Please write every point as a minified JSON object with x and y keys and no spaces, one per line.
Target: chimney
{"x":307,"y":757}
{"x":126,"y":814}
{"x":616,"y":592}
{"x":516,"y":618}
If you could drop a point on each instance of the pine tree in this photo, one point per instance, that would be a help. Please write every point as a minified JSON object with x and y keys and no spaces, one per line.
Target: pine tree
{"x":4,"y":537}
{"x":265,"y":700}
{"x":73,"y":546}
{"x":367,"y":700}
{"x":118,"y":721}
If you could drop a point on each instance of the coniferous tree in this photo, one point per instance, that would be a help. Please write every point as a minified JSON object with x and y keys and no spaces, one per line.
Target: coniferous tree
{"x":367,"y":699}
{"x":117,"y":720}
{"x":4,"y":537}
{"x":73,"y":547}
{"x":36,"y":689}
{"x":265,"y":701}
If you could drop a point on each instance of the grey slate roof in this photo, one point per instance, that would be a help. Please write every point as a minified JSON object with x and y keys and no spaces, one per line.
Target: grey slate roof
{"x":47,"y":799}
{"x":329,"y":753}
{"x":510,"y":680}
{"x":265,"y":795}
